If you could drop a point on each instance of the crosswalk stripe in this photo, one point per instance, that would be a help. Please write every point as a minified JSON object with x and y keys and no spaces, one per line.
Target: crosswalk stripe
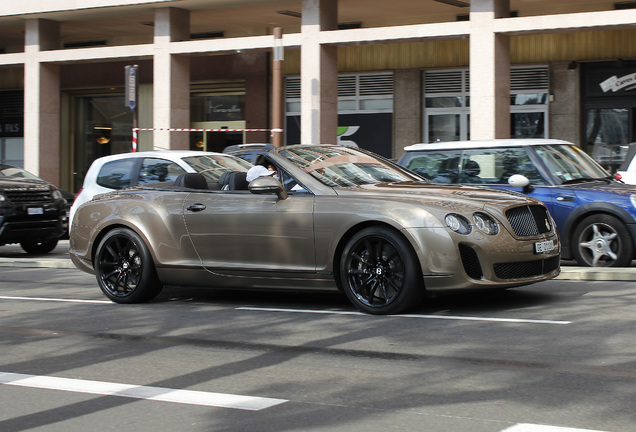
{"x":527,"y":427}
{"x":221,"y":400}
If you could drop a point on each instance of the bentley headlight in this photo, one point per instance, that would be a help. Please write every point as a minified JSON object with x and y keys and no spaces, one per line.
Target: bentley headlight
{"x":485,"y":223}
{"x":458,"y":223}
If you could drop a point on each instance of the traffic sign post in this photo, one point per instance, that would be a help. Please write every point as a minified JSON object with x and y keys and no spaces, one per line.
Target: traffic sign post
{"x":131,"y":99}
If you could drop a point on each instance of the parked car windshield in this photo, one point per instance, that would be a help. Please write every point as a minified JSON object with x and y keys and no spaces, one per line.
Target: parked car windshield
{"x":11,"y":171}
{"x":570,"y":164}
{"x":343,"y":167}
{"x":213,"y":167}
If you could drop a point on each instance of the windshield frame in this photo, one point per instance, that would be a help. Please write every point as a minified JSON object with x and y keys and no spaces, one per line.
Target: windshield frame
{"x":342,"y":167}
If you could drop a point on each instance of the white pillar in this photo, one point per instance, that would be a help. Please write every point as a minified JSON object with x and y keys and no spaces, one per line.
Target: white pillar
{"x":489,"y":71}
{"x":171,"y":91}
{"x":41,"y":101}
{"x":318,"y":74}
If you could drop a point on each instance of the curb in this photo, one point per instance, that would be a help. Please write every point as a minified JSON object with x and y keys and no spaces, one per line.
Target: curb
{"x":37,"y":263}
{"x":598,"y":274}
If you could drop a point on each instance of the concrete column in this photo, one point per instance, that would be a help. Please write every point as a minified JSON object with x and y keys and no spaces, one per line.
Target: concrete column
{"x":41,"y":102}
{"x":565,"y":105}
{"x":489,"y":71}
{"x":407,"y":110}
{"x":318,"y":74}
{"x":171,"y":91}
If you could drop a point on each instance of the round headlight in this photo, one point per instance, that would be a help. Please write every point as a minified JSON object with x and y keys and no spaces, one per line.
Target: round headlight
{"x":485,"y":223}
{"x":458,"y":223}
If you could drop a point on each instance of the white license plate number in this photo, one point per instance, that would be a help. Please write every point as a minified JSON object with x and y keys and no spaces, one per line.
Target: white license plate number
{"x":35,"y":211}
{"x":543,"y":247}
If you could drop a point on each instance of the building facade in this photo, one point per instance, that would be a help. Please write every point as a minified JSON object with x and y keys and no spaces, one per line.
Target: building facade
{"x":379,"y":74}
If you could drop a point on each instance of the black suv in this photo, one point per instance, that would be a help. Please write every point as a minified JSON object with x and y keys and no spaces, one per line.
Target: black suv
{"x":32,"y":213}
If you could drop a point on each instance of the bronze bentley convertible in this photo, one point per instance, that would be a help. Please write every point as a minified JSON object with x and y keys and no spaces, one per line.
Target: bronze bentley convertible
{"x":330,"y":217}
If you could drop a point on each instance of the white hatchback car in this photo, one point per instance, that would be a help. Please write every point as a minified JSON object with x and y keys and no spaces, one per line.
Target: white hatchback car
{"x":627,"y":171}
{"x":125,"y":170}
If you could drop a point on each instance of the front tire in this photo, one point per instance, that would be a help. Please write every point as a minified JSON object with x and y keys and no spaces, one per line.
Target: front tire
{"x":37,"y":248}
{"x":124,"y":268}
{"x":602,"y":241}
{"x":380,"y":273}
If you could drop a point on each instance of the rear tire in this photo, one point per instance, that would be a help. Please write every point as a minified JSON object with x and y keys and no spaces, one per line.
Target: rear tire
{"x":124,"y":268}
{"x":380,"y":273}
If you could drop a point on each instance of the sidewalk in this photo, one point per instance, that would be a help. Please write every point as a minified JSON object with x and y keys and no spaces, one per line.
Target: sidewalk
{"x":14,"y":256}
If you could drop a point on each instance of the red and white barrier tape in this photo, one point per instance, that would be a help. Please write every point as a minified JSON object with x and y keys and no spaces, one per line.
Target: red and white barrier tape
{"x":206,"y":130}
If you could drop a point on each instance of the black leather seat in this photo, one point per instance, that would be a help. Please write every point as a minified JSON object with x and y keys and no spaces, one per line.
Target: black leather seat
{"x":191,"y":181}
{"x":233,"y":180}
{"x":471,"y":172}
{"x":238,"y":181}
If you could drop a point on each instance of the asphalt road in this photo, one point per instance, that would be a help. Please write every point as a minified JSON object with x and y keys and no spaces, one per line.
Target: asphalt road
{"x":554,"y":357}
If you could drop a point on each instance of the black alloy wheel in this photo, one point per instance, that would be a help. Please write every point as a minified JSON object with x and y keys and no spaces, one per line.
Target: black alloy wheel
{"x":602,"y":241}
{"x":380,"y":273}
{"x":124,"y":268}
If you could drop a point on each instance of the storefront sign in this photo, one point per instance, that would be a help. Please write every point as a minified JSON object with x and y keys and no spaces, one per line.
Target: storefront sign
{"x":626,"y":82}
{"x":222,"y":108}
{"x":369,"y":131}
{"x":11,"y":127}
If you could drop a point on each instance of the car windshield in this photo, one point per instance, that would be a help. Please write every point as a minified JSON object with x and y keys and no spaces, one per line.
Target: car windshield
{"x":212,"y":167}
{"x":343,"y":167}
{"x":10,"y":171}
{"x":570,"y":164}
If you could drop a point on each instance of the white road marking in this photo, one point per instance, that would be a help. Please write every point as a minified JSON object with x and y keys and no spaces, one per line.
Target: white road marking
{"x":442,"y":317}
{"x":57,"y":300}
{"x":325,"y":312}
{"x":526,"y":427}
{"x":162,"y":394}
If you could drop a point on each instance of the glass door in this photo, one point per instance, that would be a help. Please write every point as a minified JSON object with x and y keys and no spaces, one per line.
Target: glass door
{"x":216,"y":141}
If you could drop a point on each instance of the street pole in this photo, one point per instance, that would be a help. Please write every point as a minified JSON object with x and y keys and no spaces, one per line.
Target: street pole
{"x":277,"y":88}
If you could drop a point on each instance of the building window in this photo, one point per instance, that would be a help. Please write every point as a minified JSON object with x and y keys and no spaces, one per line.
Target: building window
{"x":447,"y":104}
{"x":365,"y":111}
{"x":363,"y":93}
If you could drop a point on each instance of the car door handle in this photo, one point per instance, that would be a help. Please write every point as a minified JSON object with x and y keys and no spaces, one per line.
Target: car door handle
{"x":565,"y":198}
{"x":196,"y":207}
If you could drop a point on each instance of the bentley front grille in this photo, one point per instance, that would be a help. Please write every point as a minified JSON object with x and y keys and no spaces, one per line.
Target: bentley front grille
{"x":529,"y":220}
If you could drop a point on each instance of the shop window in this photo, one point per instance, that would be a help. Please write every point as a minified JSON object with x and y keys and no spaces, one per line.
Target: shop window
{"x":447,"y":104}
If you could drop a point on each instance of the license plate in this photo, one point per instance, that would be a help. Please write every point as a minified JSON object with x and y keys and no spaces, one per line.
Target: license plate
{"x":35,"y":211}
{"x":543,"y":247}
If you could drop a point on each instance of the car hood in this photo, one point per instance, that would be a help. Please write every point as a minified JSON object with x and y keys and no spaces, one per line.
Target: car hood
{"x":478,"y":196}
{"x":11,"y":182}
{"x":601,"y":186}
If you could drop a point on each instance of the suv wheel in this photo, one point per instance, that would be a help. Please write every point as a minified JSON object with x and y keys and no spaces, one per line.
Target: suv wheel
{"x":602,"y":241}
{"x":36,"y":248}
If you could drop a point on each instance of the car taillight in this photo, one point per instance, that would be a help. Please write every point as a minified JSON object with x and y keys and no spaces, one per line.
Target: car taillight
{"x":617,"y":176}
